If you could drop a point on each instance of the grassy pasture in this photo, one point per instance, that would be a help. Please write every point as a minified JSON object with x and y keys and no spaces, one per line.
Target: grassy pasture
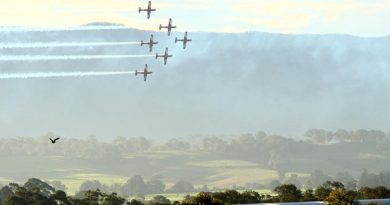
{"x":199,"y":168}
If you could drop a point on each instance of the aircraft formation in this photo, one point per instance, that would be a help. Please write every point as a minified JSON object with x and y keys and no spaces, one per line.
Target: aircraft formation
{"x":150,"y":44}
{"x":151,"y":41}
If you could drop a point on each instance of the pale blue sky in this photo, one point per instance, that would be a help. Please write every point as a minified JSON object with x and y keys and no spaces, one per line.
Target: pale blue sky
{"x":355,"y":17}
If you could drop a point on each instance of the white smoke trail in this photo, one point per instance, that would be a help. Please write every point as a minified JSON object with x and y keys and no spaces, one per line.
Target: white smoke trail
{"x":81,"y":28}
{"x":66,"y":57}
{"x":61,"y":74}
{"x":63,"y":44}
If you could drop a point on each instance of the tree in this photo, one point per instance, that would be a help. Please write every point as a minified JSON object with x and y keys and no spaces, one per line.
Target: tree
{"x":324,"y":190}
{"x":134,"y":202}
{"x":374,"y":193}
{"x":133,"y":144}
{"x":377,"y":135}
{"x":319,"y":136}
{"x":342,"y":135}
{"x":30,"y":196}
{"x":288,"y":193}
{"x":58,"y":185}
{"x":308,"y":195}
{"x":205,"y":198}
{"x":321,"y":193}
{"x":232,"y":197}
{"x":135,"y":186}
{"x":219,"y":196}
{"x":44,"y":188}
{"x":13,"y":186}
{"x":372,"y":180}
{"x":155,"y":186}
{"x":339,"y":197}
{"x":112,"y":199}
{"x":346,"y":179}
{"x":182,"y":187}
{"x":5,"y":193}
{"x":92,"y":185}
{"x":381,"y":192}
{"x":93,"y":197}
{"x":250,"y":197}
{"x":244,"y":143}
{"x":260,"y":135}
{"x":60,"y":198}
{"x":15,"y":200}
{"x":160,"y":200}
{"x":175,"y":144}
{"x":214,"y":144}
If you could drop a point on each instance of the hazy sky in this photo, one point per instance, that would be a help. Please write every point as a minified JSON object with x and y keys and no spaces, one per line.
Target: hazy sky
{"x":220,"y":84}
{"x":356,"y":17}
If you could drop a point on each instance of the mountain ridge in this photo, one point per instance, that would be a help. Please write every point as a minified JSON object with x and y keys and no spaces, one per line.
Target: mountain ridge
{"x":103,"y":23}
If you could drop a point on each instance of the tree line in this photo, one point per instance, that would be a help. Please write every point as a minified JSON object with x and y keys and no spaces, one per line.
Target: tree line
{"x":136,"y":186}
{"x":90,"y":146}
{"x":37,"y":192}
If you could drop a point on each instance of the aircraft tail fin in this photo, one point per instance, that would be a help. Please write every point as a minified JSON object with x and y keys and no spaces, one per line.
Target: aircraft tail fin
{"x":139,"y":9}
{"x":176,"y":40}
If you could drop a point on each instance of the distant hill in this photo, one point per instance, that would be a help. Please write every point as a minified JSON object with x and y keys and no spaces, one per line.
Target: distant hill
{"x":102,"y":24}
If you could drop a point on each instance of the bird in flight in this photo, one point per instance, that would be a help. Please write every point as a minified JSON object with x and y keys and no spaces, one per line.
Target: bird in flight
{"x":54,"y":140}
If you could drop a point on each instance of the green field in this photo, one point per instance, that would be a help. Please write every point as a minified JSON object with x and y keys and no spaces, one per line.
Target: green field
{"x":197,"y":167}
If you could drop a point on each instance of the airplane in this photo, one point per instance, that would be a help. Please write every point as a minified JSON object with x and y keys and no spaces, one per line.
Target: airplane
{"x":145,"y":72}
{"x":165,"y":56}
{"x":169,"y":27}
{"x":148,"y":10}
{"x":151,"y":43}
{"x":184,"y":40}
